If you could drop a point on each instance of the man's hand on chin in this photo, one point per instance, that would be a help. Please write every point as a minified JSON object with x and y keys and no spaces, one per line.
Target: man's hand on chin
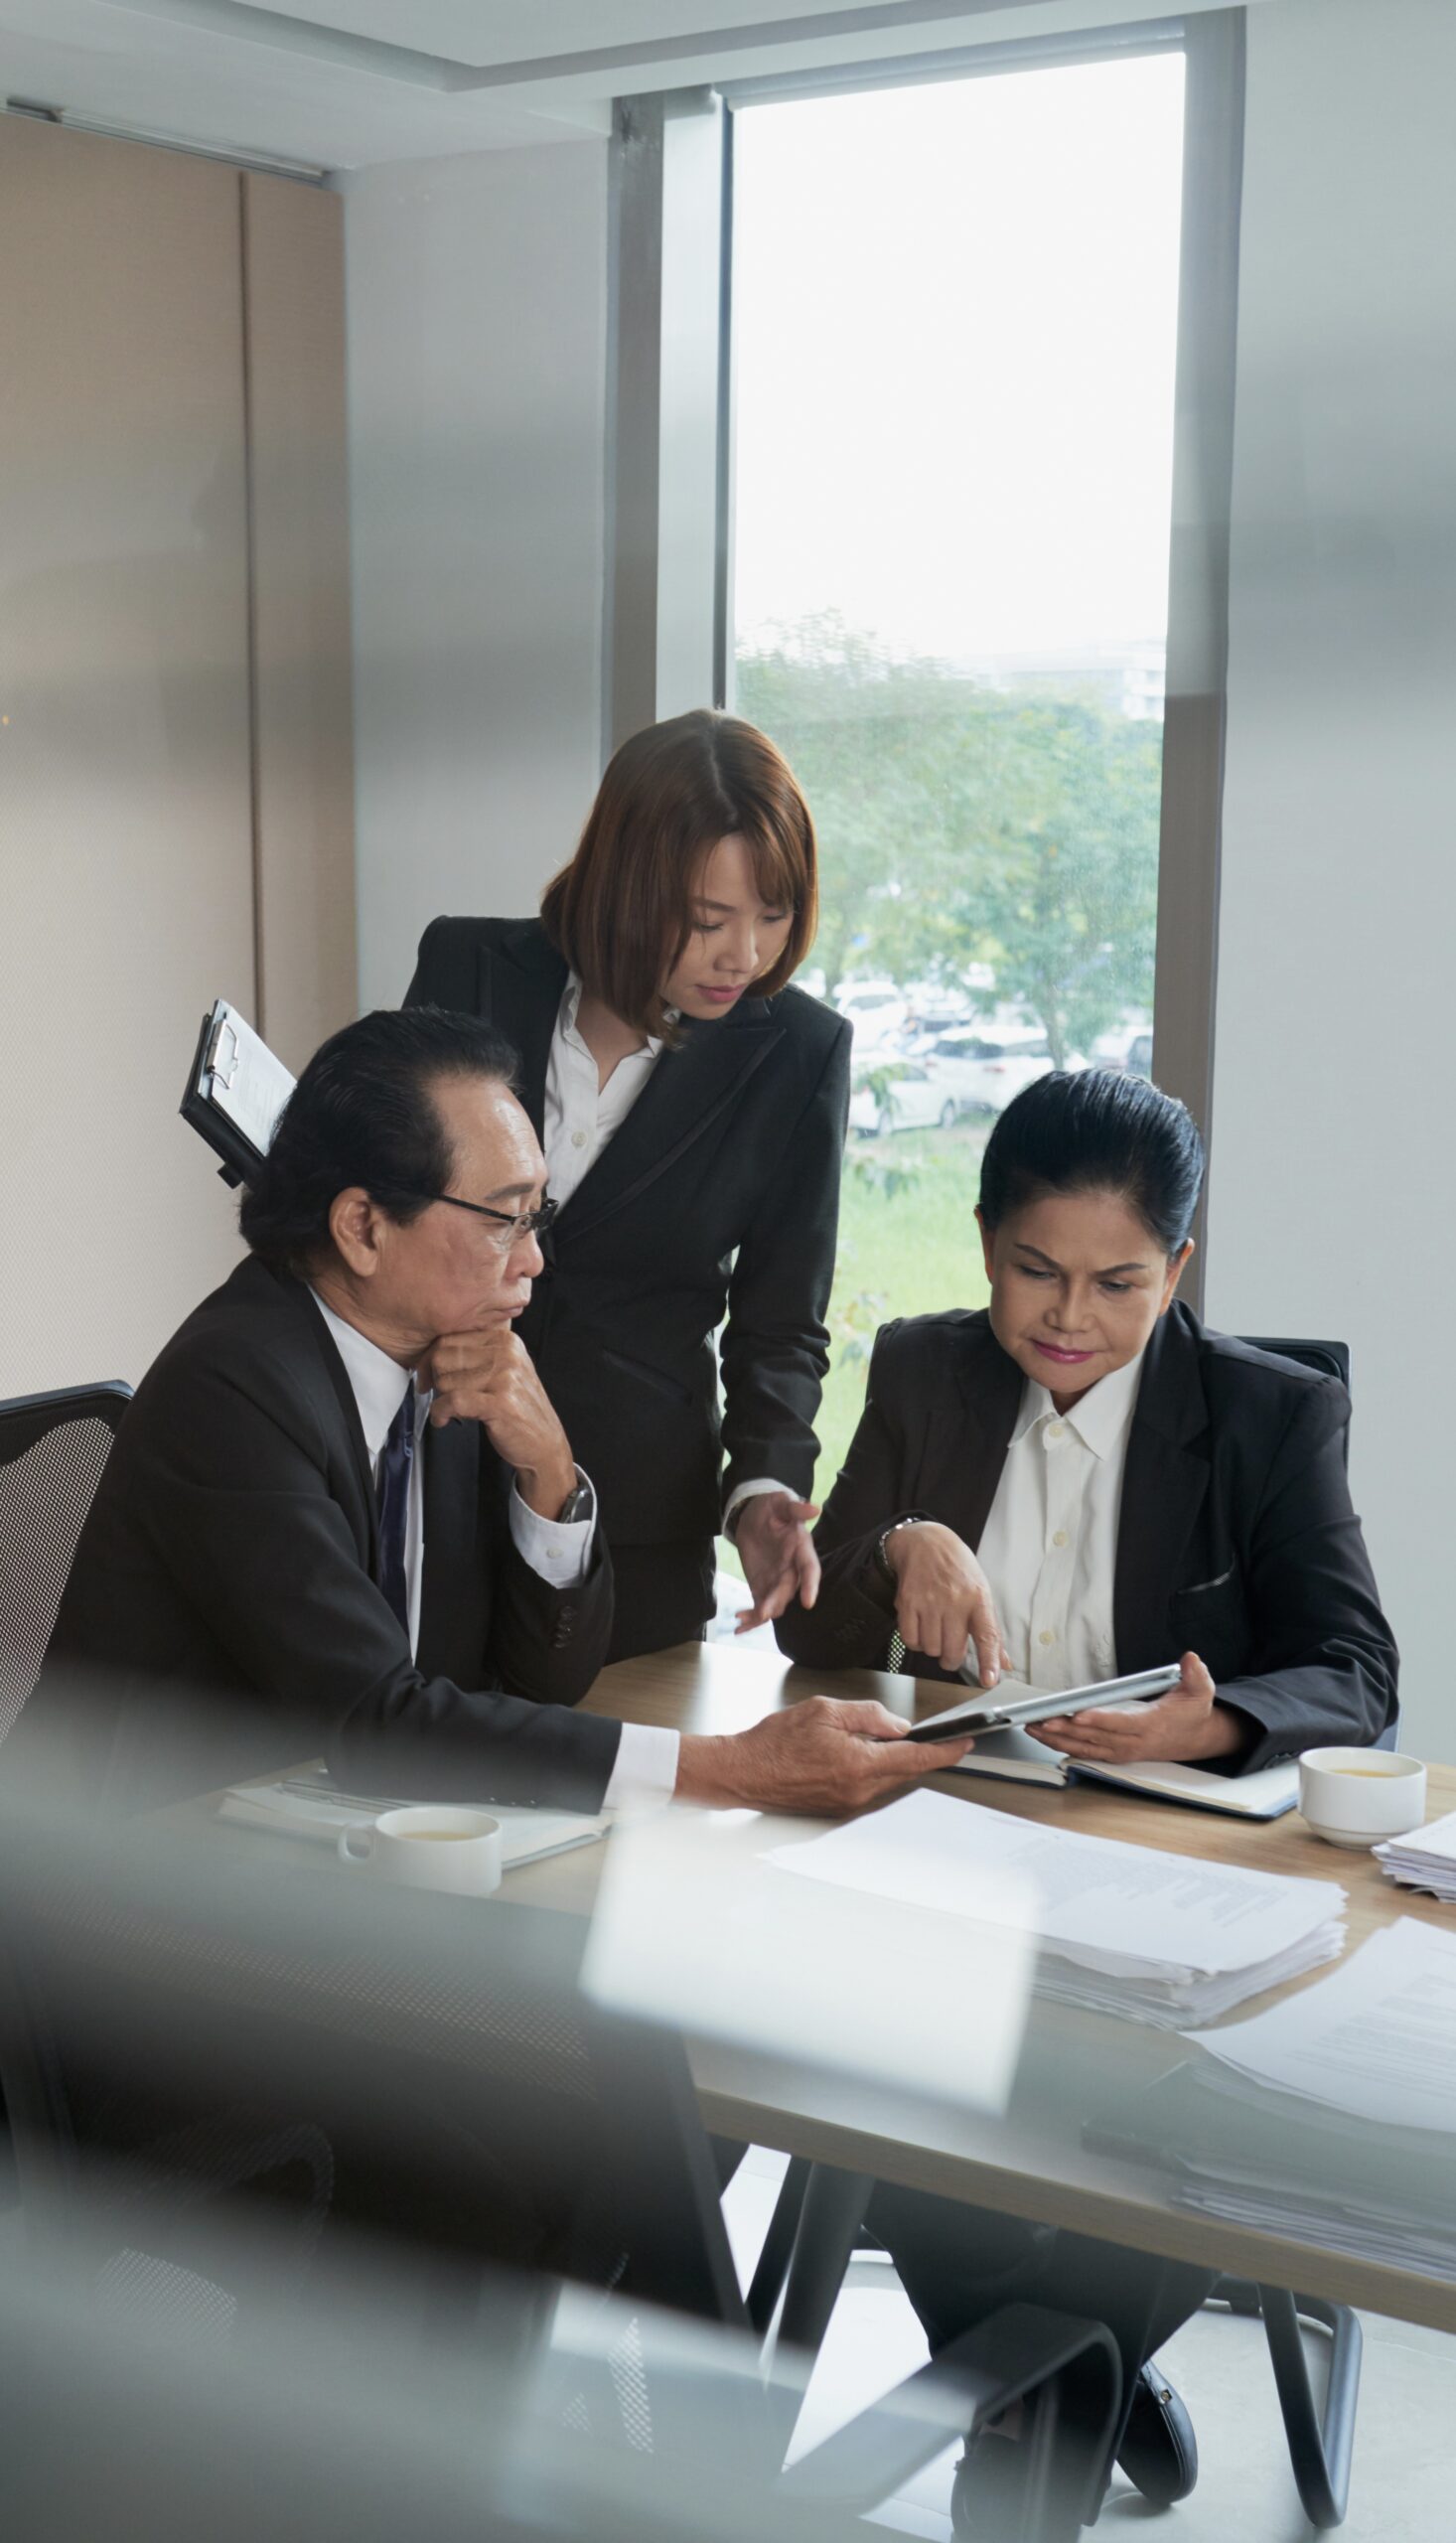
{"x":489,"y":1375}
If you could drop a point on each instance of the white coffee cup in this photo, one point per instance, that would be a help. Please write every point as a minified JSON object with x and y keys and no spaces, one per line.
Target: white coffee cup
{"x":1358,"y":1796}
{"x":430,"y":1848}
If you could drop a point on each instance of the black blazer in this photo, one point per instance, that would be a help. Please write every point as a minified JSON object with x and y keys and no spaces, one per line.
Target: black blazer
{"x":719,"y":1192}
{"x":222,"y":1615}
{"x":1236,"y":1539}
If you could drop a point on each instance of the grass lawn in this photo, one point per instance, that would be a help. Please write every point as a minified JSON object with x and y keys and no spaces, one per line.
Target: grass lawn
{"x":908,"y":1243}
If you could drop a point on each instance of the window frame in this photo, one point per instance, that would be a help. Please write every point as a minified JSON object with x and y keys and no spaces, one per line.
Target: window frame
{"x":669,"y":601}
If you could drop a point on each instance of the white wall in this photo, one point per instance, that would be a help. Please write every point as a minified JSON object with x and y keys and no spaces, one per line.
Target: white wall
{"x":477,"y":371}
{"x":1333,"y":1209}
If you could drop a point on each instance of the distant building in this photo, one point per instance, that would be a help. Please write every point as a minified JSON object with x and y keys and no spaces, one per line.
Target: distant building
{"x":1126,"y":678}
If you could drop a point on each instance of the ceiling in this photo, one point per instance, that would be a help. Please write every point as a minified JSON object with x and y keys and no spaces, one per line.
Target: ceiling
{"x":338,"y":83}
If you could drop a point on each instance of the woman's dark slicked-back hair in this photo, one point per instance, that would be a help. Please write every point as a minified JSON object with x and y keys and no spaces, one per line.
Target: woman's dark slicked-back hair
{"x":363,"y":1114}
{"x":1096,"y":1131}
{"x":622,"y":911}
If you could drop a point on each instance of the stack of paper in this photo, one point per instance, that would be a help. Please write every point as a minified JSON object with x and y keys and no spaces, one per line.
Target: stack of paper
{"x":1124,"y":1929}
{"x":1335,"y":2114}
{"x":312,"y":1808}
{"x":1424,"y":1859}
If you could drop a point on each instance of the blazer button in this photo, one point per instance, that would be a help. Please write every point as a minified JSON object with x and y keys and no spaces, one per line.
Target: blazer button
{"x":566,"y":1612}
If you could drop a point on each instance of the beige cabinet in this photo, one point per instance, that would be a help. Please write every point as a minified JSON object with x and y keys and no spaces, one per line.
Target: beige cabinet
{"x":175,"y":747}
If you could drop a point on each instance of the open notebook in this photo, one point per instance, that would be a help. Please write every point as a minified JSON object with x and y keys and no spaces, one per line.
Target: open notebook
{"x":310,"y":1807}
{"x":1016,"y":1756}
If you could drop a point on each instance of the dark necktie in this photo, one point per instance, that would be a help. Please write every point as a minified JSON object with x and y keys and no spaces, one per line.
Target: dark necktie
{"x":397,"y":1458}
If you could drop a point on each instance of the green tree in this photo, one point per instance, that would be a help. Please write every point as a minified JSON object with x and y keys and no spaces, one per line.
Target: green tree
{"x":959,"y":826}
{"x":867,"y":738}
{"x":1064,"y":895}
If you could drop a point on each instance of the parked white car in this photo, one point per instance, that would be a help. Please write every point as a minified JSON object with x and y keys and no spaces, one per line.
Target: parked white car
{"x":1129,"y":1047}
{"x":911,"y":1099}
{"x":877,"y":1010}
{"x":979,"y":1067}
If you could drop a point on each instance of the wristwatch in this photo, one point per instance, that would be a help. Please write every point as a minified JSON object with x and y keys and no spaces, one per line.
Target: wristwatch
{"x":578,"y":1504}
{"x":881,"y":1557}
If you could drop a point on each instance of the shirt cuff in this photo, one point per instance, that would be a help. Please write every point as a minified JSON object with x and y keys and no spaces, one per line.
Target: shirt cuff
{"x":560,"y":1551}
{"x":745,"y":1492}
{"x":646,"y":1769}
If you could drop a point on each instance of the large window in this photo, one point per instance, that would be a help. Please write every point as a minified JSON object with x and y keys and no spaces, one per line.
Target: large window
{"x":955,"y":322}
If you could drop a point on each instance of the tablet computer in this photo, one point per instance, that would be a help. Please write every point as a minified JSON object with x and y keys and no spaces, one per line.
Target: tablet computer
{"x":996,"y":1707}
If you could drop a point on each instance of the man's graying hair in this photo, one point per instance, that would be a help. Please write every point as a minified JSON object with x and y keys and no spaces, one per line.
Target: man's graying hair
{"x":363,"y":1114}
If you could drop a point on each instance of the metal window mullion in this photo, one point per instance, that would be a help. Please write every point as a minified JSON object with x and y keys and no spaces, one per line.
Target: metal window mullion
{"x":1195,"y":711}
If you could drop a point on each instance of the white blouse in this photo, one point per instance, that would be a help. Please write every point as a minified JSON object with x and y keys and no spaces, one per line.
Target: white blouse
{"x":580,"y":1116}
{"x":1050,"y":1544}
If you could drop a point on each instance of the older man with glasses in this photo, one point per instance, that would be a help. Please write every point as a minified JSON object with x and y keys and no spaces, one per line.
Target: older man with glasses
{"x":342,"y":1516}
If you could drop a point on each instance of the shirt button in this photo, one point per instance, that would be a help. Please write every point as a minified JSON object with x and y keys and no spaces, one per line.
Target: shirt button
{"x":1055,"y":1430}
{"x":1046,"y":1634}
{"x":578,"y":1138}
{"x":1059,"y":1537}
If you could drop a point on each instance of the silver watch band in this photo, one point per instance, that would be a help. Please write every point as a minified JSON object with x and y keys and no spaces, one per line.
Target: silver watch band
{"x":881,"y":1557}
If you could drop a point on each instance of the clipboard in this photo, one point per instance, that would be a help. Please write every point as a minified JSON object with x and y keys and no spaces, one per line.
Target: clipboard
{"x":236,"y":1091}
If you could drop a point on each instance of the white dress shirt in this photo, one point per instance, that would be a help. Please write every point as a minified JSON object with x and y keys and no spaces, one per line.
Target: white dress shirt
{"x":558,"y":1550}
{"x":1050,"y":1544}
{"x":582,"y":1117}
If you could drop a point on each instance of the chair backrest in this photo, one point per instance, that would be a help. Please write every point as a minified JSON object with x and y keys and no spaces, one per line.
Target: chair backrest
{"x":192,"y":2033}
{"x":52,"y":1449}
{"x":1332,"y":1359}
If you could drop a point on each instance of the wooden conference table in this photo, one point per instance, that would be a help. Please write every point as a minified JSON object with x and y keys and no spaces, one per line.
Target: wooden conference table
{"x":1030,"y":2163}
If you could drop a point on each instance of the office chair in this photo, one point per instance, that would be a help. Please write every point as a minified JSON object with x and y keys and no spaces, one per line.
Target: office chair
{"x":336,"y":2422}
{"x":52,"y":1449}
{"x":189,"y":2040}
{"x":1331,"y":1359}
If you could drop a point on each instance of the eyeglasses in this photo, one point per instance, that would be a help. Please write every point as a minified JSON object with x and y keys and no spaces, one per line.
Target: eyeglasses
{"x":510,"y":1227}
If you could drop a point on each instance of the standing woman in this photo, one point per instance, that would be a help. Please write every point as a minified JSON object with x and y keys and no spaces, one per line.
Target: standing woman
{"x":692,"y":1107}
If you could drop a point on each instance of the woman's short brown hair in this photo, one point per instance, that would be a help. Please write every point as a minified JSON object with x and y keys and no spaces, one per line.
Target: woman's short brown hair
{"x":622,"y":911}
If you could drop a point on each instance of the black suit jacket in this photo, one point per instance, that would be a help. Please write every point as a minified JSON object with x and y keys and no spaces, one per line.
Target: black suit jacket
{"x":720,"y":1193}
{"x":222,"y":1615}
{"x":1236,"y":1537}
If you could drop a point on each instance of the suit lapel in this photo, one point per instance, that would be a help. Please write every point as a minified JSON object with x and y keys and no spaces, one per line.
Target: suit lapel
{"x":687,"y":1091}
{"x":521,"y":979}
{"x":1163,"y":1487}
{"x":990,"y":1393}
{"x":336,"y":1379}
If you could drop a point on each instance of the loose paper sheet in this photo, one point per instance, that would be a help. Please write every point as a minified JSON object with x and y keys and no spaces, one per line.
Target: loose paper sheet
{"x":1105,"y":1904}
{"x":1377,"y":2038}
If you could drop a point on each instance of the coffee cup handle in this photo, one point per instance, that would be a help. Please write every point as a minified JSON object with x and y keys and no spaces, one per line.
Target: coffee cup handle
{"x":349,"y":1839}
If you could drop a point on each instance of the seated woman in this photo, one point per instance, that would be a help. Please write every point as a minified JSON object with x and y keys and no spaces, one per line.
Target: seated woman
{"x":1080,"y":1480}
{"x":1083,"y":1480}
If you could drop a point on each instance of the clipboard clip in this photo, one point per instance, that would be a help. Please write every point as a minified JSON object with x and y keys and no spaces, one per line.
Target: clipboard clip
{"x":225,"y":1077}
